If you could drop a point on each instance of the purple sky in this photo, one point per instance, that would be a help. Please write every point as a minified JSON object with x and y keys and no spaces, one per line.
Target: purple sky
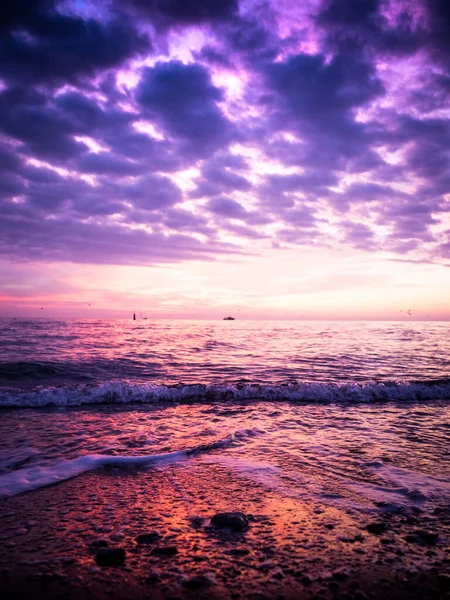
{"x":306,"y":144}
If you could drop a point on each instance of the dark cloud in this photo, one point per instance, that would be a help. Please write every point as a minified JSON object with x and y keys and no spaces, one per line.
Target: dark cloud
{"x":106,"y":163}
{"x":27,"y":116}
{"x":319,"y":92}
{"x":170,"y":13}
{"x":184,"y":102}
{"x":354,"y":25}
{"x":365,"y":193}
{"x":10,"y":185}
{"x":40,"y":175}
{"x":300,"y":216}
{"x":390,"y":28}
{"x":9,"y":161}
{"x":180,"y":219}
{"x":299,"y":182}
{"x":251,"y":39}
{"x":439,"y":30}
{"x":41,"y":45}
{"x":216,"y":180}
{"x":227,"y":207}
{"x":316,"y":99}
{"x":150,"y":192}
{"x":215,"y":57}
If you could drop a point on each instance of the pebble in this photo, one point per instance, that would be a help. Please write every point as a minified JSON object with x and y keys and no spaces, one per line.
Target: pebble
{"x":238,"y":552}
{"x":377,"y":527}
{"x":422,"y":536}
{"x":150,"y":537}
{"x":416,"y":496}
{"x":110,"y":557}
{"x":198,"y":582}
{"x":236,"y":521}
{"x":196,"y":522}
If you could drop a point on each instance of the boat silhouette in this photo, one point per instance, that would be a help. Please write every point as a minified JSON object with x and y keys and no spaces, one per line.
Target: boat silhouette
{"x":228,"y":318}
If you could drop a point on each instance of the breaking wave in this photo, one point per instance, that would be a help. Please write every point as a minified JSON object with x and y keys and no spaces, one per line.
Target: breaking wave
{"x":120,"y":392}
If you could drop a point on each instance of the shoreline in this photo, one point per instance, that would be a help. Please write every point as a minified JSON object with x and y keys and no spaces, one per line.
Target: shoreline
{"x":292,"y":547}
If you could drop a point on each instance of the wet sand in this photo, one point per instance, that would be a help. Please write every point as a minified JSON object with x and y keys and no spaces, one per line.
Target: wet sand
{"x":292,"y":548}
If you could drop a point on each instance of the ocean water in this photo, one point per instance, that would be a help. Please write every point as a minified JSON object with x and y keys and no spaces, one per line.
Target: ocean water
{"x":349,"y":414}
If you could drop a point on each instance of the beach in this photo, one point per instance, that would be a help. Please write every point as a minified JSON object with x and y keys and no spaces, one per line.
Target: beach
{"x":326,"y":508}
{"x":291,"y":548}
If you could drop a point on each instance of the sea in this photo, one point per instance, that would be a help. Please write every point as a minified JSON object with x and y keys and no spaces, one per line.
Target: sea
{"x":349,"y":414}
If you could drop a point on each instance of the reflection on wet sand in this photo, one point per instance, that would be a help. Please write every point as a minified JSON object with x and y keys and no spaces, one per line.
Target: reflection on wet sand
{"x":333,"y":508}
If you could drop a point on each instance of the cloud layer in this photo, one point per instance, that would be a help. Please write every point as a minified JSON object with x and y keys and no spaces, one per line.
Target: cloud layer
{"x":150,"y":132}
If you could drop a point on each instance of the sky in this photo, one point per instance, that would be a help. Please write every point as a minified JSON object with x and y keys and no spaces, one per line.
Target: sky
{"x":256,"y":158}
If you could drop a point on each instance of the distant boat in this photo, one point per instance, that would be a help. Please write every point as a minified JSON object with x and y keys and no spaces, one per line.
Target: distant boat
{"x":228,"y":318}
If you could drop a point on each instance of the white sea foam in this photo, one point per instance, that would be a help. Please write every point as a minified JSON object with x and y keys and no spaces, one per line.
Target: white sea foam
{"x":120,"y":392}
{"x":37,"y":476}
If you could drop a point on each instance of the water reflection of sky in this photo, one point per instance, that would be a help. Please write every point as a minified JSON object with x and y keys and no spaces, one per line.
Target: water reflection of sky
{"x":207,"y":352}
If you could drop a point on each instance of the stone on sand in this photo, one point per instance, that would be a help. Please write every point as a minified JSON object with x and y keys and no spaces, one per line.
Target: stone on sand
{"x":236,"y":521}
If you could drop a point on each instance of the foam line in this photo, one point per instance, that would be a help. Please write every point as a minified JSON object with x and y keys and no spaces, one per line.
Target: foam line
{"x":34,"y":477}
{"x":121,"y":392}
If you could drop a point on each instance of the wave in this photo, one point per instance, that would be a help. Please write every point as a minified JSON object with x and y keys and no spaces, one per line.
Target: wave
{"x":123,"y":392}
{"x":33,"y":477}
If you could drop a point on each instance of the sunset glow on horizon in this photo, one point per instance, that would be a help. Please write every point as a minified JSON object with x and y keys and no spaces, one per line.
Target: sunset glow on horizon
{"x":196,"y":160}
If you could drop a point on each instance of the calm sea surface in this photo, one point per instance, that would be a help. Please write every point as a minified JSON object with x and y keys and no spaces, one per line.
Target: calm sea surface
{"x":38,"y":352}
{"x":352,"y":414}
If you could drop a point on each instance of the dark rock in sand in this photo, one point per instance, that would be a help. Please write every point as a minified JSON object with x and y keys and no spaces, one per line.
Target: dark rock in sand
{"x":150,"y":537}
{"x":377,"y":528}
{"x":422,"y":536}
{"x":236,"y":521}
{"x":439,"y":510}
{"x":165,"y":551}
{"x":416,"y":496}
{"x":196,"y":522}
{"x":238,"y":552}
{"x":198,"y":582}
{"x":390,"y":507}
{"x":110,"y":557}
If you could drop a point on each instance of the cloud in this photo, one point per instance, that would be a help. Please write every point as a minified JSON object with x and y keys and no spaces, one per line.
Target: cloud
{"x":39,"y":44}
{"x":27,"y":116}
{"x":25,"y":236}
{"x":219,"y":176}
{"x":227,"y":207}
{"x":247,"y":121}
{"x":184,"y":102}
{"x":357,"y":24}
{"x":174,"y":13}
